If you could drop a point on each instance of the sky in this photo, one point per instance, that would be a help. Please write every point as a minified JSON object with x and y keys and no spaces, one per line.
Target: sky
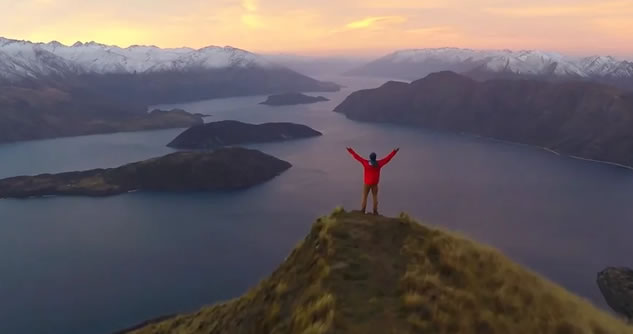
{"x":330,"y":27}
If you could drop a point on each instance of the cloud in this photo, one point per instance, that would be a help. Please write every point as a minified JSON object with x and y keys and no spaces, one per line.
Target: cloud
{"x":444,"y":30}
{"x":252,"y":20}
{"x":614,"y":29}
{"x":375,"y":21}
{"x":250,"y":5}
{"x":376,"y":26}
{"x":43,"y":2}
{"x":121,"y":32}
{"x":405,"y":4}
{"x":586,"y":9}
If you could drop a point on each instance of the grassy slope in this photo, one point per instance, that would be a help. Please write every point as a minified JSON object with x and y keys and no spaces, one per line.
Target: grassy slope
{"x":364,"y":274}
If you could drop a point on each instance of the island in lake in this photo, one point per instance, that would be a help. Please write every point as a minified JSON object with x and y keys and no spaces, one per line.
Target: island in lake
{"x":224,"y":169}
{"x":156,"y":119}
{"x":583,"y":119}
{"x":290,"y":99}
{"x":180,"y":111}
{"x":225,"y":133}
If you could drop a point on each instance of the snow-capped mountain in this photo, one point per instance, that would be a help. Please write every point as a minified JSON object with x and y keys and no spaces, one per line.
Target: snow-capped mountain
{"x":607,"y":66}
{"x":147,"y":74}
{"x":417,"y":63}
{"x":27,"y":60}
{"x":49,"y":89}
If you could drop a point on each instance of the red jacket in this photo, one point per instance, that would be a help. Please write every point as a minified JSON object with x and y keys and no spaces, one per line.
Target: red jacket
{"x":372,"y":174}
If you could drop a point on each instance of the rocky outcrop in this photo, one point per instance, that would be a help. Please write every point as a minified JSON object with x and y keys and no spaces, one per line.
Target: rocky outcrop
{"x":289,"y":99}
{"x":581,"y":119}
{"x":616,"y":285}
{"x":227,"y":133}
{"x":225,"y":169}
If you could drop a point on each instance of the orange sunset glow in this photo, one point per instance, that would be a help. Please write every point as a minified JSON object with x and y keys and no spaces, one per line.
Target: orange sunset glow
{"x":360,"y":27}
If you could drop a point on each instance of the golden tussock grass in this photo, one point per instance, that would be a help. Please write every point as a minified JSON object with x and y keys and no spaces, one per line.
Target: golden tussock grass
{"x":467,"y":287}
{"x":360,"y":274}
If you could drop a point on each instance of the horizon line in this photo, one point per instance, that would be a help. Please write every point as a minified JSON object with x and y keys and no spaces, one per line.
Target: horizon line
{"x":335,"y":52}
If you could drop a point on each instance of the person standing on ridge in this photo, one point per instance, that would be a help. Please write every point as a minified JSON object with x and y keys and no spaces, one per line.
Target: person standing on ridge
{"x":372,"y":175}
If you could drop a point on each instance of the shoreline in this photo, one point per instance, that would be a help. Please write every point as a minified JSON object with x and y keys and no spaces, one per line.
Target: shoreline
{"x":615,"y":164}
{"x":549,"y":150}
{"x":503,"y":141}
{"x":492,"y":139}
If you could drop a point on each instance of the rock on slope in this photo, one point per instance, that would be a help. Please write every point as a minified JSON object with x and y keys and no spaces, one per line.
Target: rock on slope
{"x":362,"y":274}
{"x":225,"y":169}
{"x":588,"y":120}
{"x":616,"y":285}
{"x":226,"y":133}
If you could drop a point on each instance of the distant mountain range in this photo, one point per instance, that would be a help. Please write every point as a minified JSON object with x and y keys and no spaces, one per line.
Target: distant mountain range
{"x":584,"y":119}
{"x":486,"y":64}
{"x":100,"y":82}
{"x":23,"y":60}
{"x":148,"y":74}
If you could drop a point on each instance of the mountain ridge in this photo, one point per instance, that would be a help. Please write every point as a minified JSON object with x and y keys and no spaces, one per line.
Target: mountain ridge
{"x":148,"y":74}
{"x":42,"y":59}
{"x":485,"y":64}
{"x":358,"y":274}
{"x":582,"y":119}
{"x":113,"y":84}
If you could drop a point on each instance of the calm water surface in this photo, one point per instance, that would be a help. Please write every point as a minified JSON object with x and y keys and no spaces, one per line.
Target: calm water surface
{"x":84,"y":265}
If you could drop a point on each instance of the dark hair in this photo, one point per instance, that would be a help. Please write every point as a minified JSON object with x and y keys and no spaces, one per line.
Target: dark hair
{"x":372,"y":159}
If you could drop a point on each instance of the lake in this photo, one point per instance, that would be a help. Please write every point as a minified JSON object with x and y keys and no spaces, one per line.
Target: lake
{"x":95,"y":265}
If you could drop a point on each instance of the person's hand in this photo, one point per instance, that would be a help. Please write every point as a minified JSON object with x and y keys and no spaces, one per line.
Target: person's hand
{"x":348,"y":148}
{"x":397,"y":149}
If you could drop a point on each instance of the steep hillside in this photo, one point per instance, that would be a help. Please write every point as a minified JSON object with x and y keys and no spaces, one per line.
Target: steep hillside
{"x":30,"y":113}
{"x":582,"y":119}
{"x":362,"y":274}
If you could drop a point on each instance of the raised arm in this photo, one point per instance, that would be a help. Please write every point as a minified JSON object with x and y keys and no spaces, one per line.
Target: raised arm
{"x":388,"y":158}
{"x":355,"y":155}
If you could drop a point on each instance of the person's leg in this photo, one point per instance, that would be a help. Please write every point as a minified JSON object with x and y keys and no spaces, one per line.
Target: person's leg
{"x":374,"y":193}
{"x":365,"y":194}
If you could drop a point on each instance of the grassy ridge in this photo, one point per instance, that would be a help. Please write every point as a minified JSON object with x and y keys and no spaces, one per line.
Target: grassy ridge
{"x":355,"y":273}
